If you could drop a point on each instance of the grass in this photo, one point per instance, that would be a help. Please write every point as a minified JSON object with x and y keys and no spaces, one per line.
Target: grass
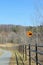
{"x":1,"y":53}
{"x":13,"y":51}
{"x":12,"y":59}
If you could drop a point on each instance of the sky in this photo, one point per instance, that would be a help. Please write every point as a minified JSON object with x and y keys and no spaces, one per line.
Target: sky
{"x":21,"y":12}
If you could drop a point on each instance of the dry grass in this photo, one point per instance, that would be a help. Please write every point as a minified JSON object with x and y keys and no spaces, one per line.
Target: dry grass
{"x":1,"y":53}
{"x":13,"y":59}
{"x":6,"y":45}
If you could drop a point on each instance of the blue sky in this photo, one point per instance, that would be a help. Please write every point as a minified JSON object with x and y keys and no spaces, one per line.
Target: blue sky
{"x":21,"y":12}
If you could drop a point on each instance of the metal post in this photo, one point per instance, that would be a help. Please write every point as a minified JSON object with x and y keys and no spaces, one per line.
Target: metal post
{"x":29,"y":55}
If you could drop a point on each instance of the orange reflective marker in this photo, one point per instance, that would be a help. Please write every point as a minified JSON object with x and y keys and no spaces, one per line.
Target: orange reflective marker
{"x":29,"y":33}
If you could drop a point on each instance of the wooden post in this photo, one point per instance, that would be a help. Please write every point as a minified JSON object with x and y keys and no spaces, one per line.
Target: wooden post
{"x":16,"y":59}
{"x":36,"y":55}
{"x":29,"y":55}
{"x":25,"y":53}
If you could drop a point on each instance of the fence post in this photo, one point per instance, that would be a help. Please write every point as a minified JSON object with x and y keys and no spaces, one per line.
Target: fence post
{"x":16,"y":59}
{"x":29,"y":55}
{"x":36,"y":56}
{"x":25,"y":53}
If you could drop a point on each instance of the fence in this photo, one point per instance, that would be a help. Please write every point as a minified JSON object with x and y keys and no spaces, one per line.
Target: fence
{"x":27,"y":52}
{"x":34,"y":51}
{"x":18,"y":61}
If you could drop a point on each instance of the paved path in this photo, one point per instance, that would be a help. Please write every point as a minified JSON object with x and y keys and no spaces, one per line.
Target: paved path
{"x":5,"y":57}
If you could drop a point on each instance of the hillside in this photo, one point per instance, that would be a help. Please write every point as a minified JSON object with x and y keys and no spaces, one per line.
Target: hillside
{"x":17,"y":34}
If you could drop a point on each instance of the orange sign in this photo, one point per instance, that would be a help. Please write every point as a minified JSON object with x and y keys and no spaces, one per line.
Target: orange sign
{"x":29,"y":33}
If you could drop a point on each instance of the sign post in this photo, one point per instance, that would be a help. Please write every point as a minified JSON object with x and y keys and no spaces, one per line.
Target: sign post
{"x":29,"y":34}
